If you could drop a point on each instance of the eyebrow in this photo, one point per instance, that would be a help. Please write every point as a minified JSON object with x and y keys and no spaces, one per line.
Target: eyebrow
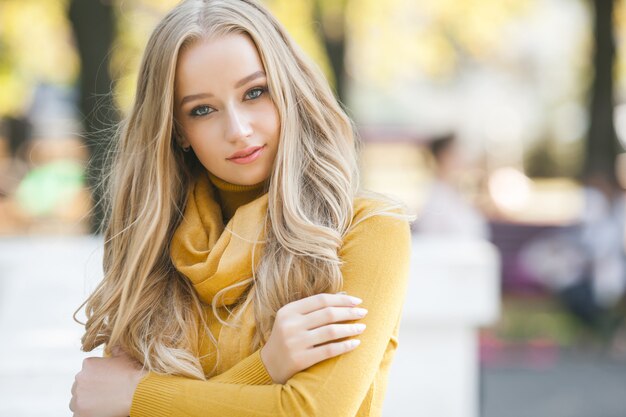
{"x":238,"y":84}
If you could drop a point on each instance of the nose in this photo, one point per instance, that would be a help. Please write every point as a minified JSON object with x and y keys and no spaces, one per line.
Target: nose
{"x":237,"y":125}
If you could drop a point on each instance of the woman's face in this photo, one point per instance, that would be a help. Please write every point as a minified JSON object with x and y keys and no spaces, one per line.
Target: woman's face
{"x":225,"y":110}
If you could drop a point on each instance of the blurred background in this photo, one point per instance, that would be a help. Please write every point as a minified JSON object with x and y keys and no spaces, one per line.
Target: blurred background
{"x":502,"y":121}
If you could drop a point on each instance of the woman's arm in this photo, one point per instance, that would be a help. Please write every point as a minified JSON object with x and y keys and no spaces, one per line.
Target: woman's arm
{"x":303,"y":332}
{"x":376,"y":257}
{"x":292,"y":347}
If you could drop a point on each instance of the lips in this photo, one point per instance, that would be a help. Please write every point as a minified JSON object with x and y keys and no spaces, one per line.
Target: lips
{"x":246,"y":156}
{"x":244,"y":152}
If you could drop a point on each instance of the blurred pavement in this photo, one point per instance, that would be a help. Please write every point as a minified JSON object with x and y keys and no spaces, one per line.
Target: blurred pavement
{"x":43,"y":280}
{"x":578,"y":385}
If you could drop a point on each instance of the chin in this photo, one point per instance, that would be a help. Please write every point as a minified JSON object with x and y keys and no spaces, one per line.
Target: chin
{"x":251,"y":179}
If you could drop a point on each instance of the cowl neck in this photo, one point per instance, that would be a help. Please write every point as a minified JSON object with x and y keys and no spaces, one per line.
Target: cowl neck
{"x":212,"y":255}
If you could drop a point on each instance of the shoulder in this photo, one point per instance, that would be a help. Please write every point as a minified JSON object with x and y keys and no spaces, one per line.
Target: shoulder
{"x":378,"y":224}
{"x":378,"y":213}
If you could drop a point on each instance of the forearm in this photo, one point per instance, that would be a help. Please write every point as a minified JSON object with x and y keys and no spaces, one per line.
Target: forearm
{"x":376,"y":268}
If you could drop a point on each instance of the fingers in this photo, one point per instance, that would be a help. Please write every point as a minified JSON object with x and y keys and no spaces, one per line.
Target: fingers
{"x":331,"y":332}
{"x":318,"y":301}
{"x":73,"y":400}
{"x":330,"y":350}
{"x":303,"y":329}
{"x":332,"y":315}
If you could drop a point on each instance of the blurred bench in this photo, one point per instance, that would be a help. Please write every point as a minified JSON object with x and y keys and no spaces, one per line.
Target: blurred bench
{"x":454,"y":288}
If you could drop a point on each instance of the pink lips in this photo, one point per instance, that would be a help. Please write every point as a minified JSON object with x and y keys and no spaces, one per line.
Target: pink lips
{"x":245,"y":156}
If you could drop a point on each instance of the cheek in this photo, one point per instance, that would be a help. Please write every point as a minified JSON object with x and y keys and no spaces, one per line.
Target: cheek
{"x":202,"y":135}
{"x":271,"y":122}
{"x":206,"y":144}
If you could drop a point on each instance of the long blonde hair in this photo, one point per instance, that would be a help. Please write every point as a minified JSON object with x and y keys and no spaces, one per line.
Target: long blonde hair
{"x":143,"y":304}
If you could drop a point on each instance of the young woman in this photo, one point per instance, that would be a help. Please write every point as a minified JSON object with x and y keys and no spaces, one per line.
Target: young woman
{"x":235,"y":222}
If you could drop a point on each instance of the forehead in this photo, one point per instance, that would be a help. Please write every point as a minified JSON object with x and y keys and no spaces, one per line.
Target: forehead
{"x":216,"y":62}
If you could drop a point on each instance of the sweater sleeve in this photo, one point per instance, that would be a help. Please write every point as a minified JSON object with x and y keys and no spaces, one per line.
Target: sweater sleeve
{"x":376,"y":260}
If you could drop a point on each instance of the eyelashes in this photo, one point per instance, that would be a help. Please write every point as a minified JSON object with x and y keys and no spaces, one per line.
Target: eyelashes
{"x":200,"y":111}
{"x":252,"y":94}
{"x":259,"y":90}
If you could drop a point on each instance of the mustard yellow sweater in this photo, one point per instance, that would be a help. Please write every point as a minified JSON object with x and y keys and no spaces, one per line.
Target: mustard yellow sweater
{"x":376,"y":260}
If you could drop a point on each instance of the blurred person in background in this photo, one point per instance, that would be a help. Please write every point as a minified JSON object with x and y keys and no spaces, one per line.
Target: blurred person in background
{"x":586,"y":265}
{"x":447,"y":211}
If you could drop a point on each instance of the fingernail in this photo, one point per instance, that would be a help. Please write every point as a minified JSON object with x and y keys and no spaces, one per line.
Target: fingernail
{"x":354,"y":343}
{"x":361,"y":312}
{"x":342,"y":292}
{"x":360,"y":327}
{"x":355,"y":300}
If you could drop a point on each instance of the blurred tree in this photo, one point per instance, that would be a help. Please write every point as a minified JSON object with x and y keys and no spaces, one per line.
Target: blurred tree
{"x":304,"y":20}
{"x":41,"y":55}
{"x":602,"y":145}
{"x":330,"y":18}
{"x":134,"y":22}
{"x":93,"y":23}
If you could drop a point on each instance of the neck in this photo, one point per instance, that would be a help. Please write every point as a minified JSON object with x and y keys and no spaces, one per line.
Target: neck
{"x":232,"y":196}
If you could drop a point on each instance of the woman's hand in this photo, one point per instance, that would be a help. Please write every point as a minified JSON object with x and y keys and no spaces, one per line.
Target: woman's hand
{"x":302,"y":330}
{"x":105,"y":386}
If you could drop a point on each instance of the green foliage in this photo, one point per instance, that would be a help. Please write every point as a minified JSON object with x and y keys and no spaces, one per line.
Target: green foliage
{"x":298,"y":17}
{"x":36,"y":46}
{"x":137,"y":18}
{"x":397,"y":39}
{"x":541,"y":318}
{"x":48,"y":186}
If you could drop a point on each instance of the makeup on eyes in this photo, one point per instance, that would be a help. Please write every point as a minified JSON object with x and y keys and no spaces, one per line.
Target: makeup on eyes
{"x":197,"y":108}
{"x":263,"y":90}
{"x":225,"y":109}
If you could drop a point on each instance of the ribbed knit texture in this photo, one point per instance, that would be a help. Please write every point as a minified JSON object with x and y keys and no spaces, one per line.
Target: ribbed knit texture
{"x":232,"y":196}
{"x":158,"y":395}
{"x":376,"y":260}
{"x":251,"y":370}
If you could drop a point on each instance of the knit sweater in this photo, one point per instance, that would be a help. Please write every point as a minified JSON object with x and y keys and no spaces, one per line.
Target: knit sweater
{"x":375,"y":255}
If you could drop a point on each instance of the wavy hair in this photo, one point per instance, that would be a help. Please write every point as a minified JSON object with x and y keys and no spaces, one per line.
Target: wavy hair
{"x":143,"y":304}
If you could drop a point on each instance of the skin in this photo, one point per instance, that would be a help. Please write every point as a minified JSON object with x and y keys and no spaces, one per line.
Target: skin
{"x":237,"y":115}
{"x":226,"y":108}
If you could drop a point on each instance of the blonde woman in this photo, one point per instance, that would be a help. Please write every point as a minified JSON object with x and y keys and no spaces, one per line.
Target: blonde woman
{"x":240,"y":257}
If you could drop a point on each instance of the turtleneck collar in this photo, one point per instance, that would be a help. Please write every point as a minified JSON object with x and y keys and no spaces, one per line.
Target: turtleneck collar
{"x":215,"y":255}
{"x":232,"y":196}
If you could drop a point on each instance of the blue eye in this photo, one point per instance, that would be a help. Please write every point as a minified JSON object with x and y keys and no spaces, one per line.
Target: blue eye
{"x":255,"y":93}
{"x":200,"y":111}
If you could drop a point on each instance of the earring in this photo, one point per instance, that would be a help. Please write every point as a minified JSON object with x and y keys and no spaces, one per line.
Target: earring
{"x":186,"y":148}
